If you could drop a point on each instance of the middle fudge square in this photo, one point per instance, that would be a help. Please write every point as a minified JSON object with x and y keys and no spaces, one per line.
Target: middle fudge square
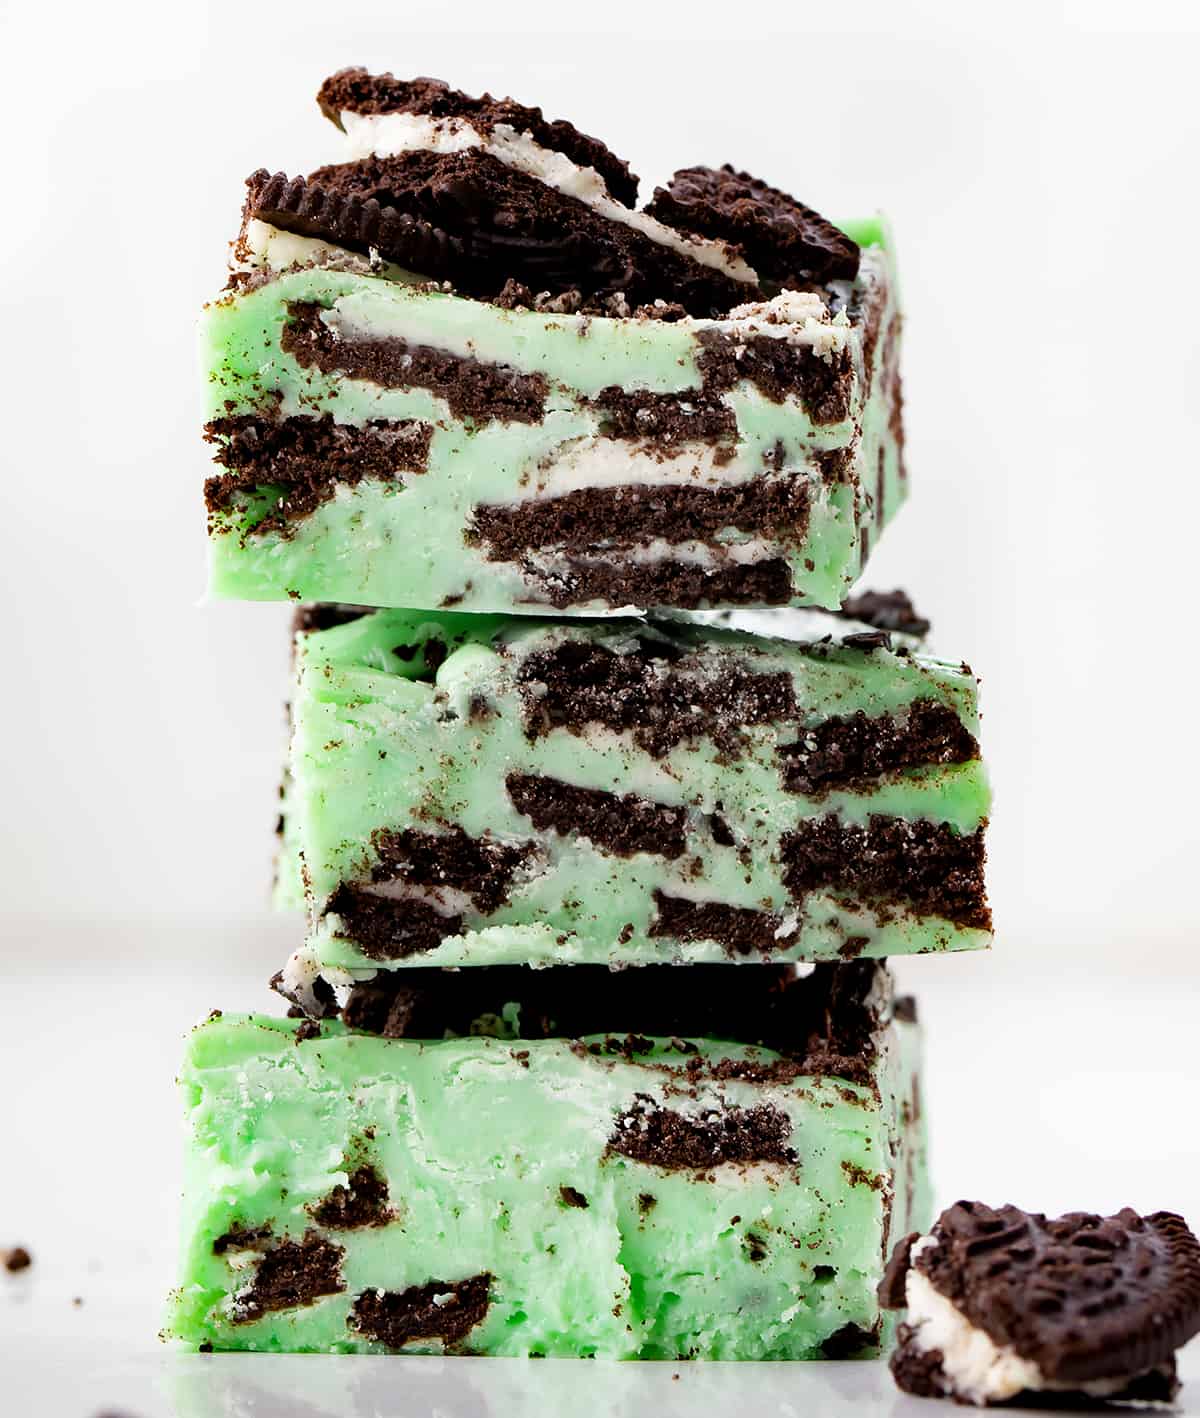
{"x":485,"y":790}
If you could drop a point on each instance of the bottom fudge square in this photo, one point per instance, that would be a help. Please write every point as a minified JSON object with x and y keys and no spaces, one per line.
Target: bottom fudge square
{"x":618,"y":1195}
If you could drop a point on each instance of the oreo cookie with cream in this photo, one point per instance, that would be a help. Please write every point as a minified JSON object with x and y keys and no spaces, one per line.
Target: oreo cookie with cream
{"x":355,"y":100}
{"x":785,"y":241}
{"x":1007,"y":1305}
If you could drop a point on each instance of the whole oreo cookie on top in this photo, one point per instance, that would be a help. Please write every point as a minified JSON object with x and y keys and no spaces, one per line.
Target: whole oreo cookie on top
{"x":783,"y":240}
{"x":357,"y":91}
{"x":1099,"y":1304}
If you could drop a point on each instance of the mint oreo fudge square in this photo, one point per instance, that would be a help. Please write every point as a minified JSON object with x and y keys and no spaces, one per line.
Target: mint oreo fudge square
{"x":464,"y":369}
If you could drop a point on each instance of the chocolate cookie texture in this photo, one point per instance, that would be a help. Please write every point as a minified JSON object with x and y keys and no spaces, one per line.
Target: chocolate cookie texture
{"x":307,"y":459}
{"x":509,"y":1193}
{"x":662,"y":1137}
{"x":1003,"y":1302}
{"x":499,"y":224}
{"x":15,"y":1259}
{"x":351,"y":221}
{"x":358,"y":92}
{"x":437,"y":1311}
{"x":287,"y":1276}
{"x":361,"y":1201}
{"x":459,"y":793}
{"x":498,"y":170}
{"x":892,"y":611}
{"x":783,"y":239}
{"x":472,"y":389}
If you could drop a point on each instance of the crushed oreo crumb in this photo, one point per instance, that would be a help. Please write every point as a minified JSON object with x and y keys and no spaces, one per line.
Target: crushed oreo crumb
{"x":16,"y":1259}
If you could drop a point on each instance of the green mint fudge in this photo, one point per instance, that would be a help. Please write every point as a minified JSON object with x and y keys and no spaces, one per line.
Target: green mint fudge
{"x":473,"y":790}
{"x":636,"y":1196}
{"x":463,"y":370}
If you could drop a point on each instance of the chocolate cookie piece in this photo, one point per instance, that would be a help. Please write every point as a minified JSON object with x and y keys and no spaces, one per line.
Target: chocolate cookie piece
{"x":1081,"y":1303}
{"x":308,"y":457}
{"x":482,"y":223}
{"x":15,"y":1260}
{"x":469,"y":219}
{"x":358,"y":223}
{"x":895,"y":1273}
{"x":445,"y":1310}
{"x":291,"y":1275}
{"x":357,"y":91}
{"x":661,"y":1137}
{"x":886,"y":610}
{"x":783,"y":240}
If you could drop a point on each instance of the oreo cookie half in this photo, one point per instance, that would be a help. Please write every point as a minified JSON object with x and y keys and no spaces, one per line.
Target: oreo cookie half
{"x":358,"y":223}
{"x":783,"y":240}
{"x":1082,"y":1304}
{"x":357,"y":91}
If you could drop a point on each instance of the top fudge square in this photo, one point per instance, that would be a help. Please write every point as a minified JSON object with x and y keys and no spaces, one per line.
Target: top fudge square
{"x":462,"y":369}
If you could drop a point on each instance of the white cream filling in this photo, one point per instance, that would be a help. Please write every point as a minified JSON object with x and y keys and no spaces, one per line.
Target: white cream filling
{"x":788,"y":925}
{"x":976,"y":1367}
{"x":778,"y":320}
{"x":701,"y":894}
{"x":259,"y":246}
{"x":446,"y":900}
{"x":620,"y":462}
{"x":879,"y":997}
{"x":352,"y":318}
{"x":386,"y":135}
{"x":241,"y":1260}
{"x":691,"y":553}
{"x":302,"y":971}
{"x":789,"y":306}
{"x":796,"y":624}
{"x":300,"y":975}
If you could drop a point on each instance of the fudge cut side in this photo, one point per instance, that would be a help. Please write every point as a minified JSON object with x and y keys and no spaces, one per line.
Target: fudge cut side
{"x":558,"y":462}
{"x":287,"y":885}
{"x":485,"y":790}
{"x":616,"y":1197}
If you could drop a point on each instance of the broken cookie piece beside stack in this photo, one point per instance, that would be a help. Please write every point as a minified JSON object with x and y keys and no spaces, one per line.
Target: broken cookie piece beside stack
{"x":608,"y":796}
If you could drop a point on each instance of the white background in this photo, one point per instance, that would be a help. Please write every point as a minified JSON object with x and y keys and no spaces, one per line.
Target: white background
{"x":1040,"y":164}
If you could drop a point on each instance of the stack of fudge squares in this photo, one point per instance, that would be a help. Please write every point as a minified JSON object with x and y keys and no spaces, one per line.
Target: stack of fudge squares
{"x":608,"y":793}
